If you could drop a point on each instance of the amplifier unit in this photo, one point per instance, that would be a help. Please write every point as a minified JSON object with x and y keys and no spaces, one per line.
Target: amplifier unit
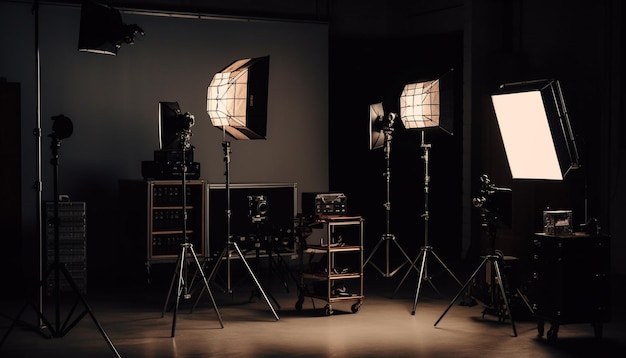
{"x":324,"y":204}
{"x":165,"y":170}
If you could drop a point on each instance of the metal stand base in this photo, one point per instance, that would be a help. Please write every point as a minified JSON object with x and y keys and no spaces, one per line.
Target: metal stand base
{"x":182,"y":289}
{"x":426,"y":248}
{"x":387,"y":239}
{"x":58,"y":330}
{"x":58,"y":268}
{"x":423,"y":273}
{"x":504,"y":303}
{"x":225,"y":255}
{"x":281,"y":268}
{"x":256,"y":292}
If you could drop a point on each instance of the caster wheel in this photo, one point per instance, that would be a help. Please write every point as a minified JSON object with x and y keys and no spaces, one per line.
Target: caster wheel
{"x":597,"y":330}
{"x":553,"y":333}
{"x":540,"y":329}
{"x":355,"y":307}
{"x":328,"y":310}
{"x":299,"y":306}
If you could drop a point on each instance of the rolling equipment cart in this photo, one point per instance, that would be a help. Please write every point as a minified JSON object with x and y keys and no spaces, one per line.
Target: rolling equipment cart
{"x":331,"y":258}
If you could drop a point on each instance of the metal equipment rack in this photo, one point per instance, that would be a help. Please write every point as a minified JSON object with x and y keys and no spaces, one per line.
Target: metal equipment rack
{"x":335,"y":252}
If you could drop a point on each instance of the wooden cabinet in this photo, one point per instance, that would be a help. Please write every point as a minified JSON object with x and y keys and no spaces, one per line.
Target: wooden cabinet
{"x":165,"y":213}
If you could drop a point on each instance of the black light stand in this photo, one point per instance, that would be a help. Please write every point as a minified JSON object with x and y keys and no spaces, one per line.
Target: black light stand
{"x":387,"y":238}
{"x":257,"y":209}
{"x":426,"y":249}
{"x":499,"y":302}
{"x":232,"y":245}
{"x":279,"y":265}
{"x":63,"y":129}
{"x":186,"y":248}
{"x":503,"y":305}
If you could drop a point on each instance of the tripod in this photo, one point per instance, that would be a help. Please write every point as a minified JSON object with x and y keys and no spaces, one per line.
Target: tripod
{"x":186,"y":248}
{"x":258,"y":220}
{"x":500,"y":304}
{"x":426,"y":249}
{"x":387,"y":238}
{"x":57,"y":268}
{"x":280,"y":266}
{"x":232,"y":245}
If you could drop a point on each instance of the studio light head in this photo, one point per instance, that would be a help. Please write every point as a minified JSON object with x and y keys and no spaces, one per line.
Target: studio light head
{"x":237,"y":98}
{"x":535,"y":129}
{"x":172,"y":124}
{"x":428,"y":104}
{"x":186,"y":121}
{"x":62,"y":127}
{"x":380,"y":125}
{"x":102,"y":30}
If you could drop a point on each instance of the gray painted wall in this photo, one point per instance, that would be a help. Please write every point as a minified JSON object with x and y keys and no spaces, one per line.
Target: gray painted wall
{"x":113,"y":103}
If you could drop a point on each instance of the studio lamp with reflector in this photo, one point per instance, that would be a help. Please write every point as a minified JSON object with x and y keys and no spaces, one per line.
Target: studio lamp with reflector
{"x":102,"y":30}
{"x":237,"y":105}
{"x":381,"y":127}
{"x":424,"y":105}
{"x":237,"y":98}
{"x":428,"y":104}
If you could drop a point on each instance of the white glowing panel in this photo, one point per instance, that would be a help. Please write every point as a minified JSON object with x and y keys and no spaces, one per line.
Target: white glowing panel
{"x":237,"y":98}
{"x":227,"y":96}
{"x":419,"y":104}
{"x":526,"y":135}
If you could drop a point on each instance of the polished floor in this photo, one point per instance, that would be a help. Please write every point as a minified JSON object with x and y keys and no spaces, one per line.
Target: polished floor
{"x":383,"y":326}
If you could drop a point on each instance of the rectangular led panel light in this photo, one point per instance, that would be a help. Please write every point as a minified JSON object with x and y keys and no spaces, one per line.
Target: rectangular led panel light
{"x":535,"y":130}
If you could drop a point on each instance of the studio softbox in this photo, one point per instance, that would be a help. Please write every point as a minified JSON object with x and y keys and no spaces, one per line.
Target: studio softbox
{"x":428,"y":104}
{"x":535,"y":129}
{"x":237,"y":98}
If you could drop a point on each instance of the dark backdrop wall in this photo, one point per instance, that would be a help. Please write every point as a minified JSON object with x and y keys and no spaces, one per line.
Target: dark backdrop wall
{"x":581,"y":47}
{"x":385,"y":66}
{"x":500,"y":42}
{"x":113,"y":103}
{"x":496,"y":42}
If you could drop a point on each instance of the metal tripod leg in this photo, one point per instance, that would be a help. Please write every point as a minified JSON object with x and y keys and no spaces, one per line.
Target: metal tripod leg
{"x":423,"y":272}
{"x":57,"y":330}
{"x":496,"y":264}
{"x":507,"y":306}
{"x":387,"y":239}
{"x":280,"y":266}
{"x":256,"y":292}
{"x":179,"y":276}
{"x":225,"y":255}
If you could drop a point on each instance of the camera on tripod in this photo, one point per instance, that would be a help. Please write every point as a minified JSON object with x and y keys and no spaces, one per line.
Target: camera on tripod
{"x":494,"y":204}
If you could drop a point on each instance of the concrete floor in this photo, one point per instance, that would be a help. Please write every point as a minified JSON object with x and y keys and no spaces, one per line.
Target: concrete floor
{"x":383,"y":326}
